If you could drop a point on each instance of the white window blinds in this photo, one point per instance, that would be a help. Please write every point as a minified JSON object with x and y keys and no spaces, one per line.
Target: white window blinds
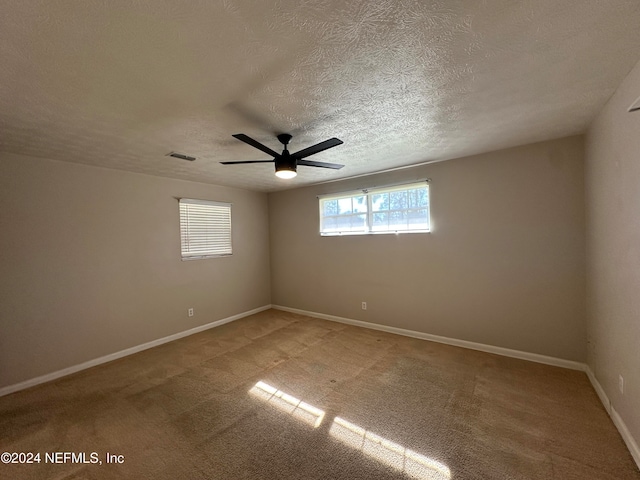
{"x":205,"y":228}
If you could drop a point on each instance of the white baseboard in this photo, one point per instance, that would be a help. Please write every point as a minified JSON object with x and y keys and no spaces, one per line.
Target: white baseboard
{"x":123,"y":353}
{"x":631,"y":443}
{"x":599,"y":390}
{"x":506,"y":352}
{"x":626,"y":436}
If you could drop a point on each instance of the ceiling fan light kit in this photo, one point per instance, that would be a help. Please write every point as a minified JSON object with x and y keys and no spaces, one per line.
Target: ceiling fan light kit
{"x":286,"y":163}
{"x":286,"y":167}
{"x":286,"y":173}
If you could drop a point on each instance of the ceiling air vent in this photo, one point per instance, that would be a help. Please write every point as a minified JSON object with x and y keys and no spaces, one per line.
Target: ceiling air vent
{"x":635,"y":106}
{"x":181,"y":156}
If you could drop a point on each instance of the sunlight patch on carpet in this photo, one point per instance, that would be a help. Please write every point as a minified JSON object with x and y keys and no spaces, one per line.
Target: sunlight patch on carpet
{"x":287,"y":403}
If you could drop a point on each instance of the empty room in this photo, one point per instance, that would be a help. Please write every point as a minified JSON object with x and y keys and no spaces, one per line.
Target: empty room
{"x":320,"y":240}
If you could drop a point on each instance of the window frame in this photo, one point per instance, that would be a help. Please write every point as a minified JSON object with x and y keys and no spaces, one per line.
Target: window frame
{"x":369,"y":228}
{"x":185,"y":255}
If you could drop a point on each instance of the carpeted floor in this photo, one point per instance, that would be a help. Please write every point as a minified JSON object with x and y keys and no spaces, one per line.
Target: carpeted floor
{"x":283,"y":396}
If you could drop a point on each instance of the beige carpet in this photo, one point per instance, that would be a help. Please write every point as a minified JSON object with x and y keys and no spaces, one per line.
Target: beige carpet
{"x":283,"y":396}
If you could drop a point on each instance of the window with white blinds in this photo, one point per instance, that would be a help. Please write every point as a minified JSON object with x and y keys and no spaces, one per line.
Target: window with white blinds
{"x":398,"y":209}
{"x":205,"y":228}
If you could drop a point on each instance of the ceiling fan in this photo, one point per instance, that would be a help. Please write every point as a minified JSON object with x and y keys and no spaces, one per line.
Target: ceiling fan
{"x":286,"y":162}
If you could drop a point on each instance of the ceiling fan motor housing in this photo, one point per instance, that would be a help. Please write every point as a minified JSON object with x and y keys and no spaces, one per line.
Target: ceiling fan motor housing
{"x":286,"y":161}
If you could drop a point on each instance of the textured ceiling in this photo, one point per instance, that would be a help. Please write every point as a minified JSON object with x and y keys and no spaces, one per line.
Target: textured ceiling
{"x":120,"y":84}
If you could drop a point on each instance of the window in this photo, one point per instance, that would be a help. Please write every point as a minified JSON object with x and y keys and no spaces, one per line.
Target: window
{"x":205,"y":228}
{"x":400,"y":209}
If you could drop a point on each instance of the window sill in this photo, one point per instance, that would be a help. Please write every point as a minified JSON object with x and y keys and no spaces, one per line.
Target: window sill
{"x":359,"y":234}
{"x":204,"y":257}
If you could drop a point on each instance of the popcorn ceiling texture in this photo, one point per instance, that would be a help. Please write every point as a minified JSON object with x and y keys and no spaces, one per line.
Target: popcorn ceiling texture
{"x":121,"y":84}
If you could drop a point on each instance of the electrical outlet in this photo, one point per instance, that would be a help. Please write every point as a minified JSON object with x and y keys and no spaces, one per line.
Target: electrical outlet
{"x":364,"y":305}
{"x":191,"y":312}
{"x":621,"y":384}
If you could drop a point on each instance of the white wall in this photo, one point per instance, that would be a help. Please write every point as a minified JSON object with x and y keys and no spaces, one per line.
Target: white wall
{"x":613,"y":250}
{"x":90,"y":263}
{"x":503,"y":266}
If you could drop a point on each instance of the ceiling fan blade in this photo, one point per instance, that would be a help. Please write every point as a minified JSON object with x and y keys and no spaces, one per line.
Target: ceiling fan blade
{"x":248,"y":161}
{"x":254,"y":143}
{"x":310,"y":163}
{"x":318,"y":147}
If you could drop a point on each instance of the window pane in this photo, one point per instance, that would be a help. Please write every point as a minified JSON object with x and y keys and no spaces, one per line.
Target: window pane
{"x":344,"y":206}
{"x":329,"y":224}
{"x":423,"y":195}
{"x":398,"y":220}
{"x":360,"y":203}
{"x":419,"y":219}
{"x":417,"y":197}
{"x":380,"y":221}
{"x":380,"y":201}
{"x":398,"y":200}
{"x":358,"y":223}
{"x":343,"y":223}
{"x":330,"y":207}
